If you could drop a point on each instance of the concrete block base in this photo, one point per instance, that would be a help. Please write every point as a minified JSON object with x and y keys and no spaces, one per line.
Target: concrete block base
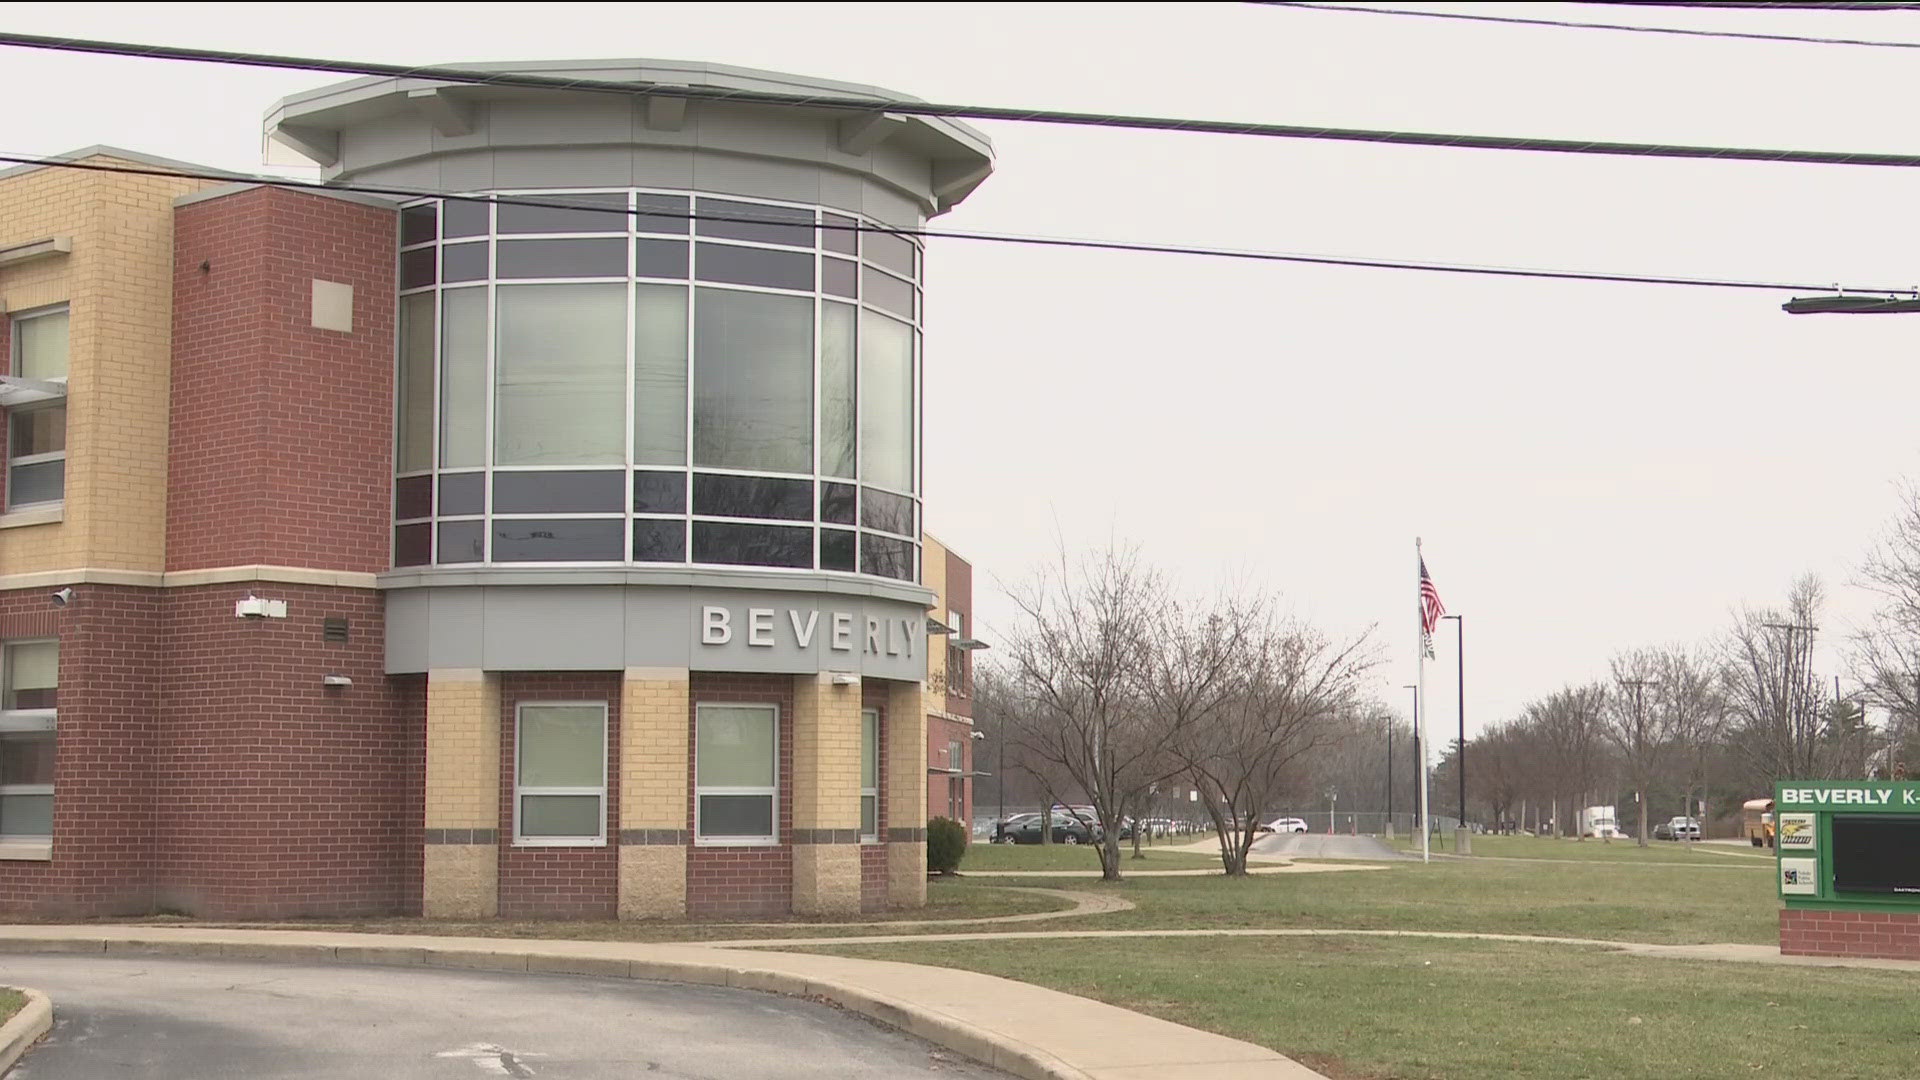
{"x":907,"y":874}
{"x":826,"y":879}
{"x":460,"y":881}
{"x":653,"y":881}
{"x":1462,"y":842}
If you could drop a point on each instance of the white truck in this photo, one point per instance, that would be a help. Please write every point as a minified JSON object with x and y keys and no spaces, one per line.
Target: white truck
{"x":1599,"y":822}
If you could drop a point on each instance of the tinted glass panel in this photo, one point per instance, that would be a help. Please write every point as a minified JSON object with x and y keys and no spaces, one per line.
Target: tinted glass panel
{"x":660,"y":258}
{"x":464,"y":262}
{"x":839,"y":277}
{"x":412,"y":545}
{"x":26,"y":758}
{"x":517,"y":218}
{"x":660,"y":374}
{"x":41,"y":345}
{"x":887,"y":511}
{"x":462,"y":493}
{"x":41,"y":431}
{"x":735,"y":745}
{"x":562,"y":258}
{"x":560,"y":815}
{"x":557,"y":492}
{"x":886,"y":557}
{"x":755,"y":266}
{"x":413,"y":497}
{"x":465,"y":218}
{"x":837,"y":503}
{"x":836,"y":550}
{"x":889,"y":292}
{"x":752,"y":496}
{"x":462,"y":541}
{"x":844,"y":238}
{"x":562,"y":745}
{"x":549,"y":540}
{"x":753,"y":381}
{"x":660,"y":493}
{"x":413,"y":430}
{"x":886,"y":402}
{"x":753,"y":221}
{"x":893,"y":252}
{"x":736,"y":815}
{"x":32,"y":675}
{"x":417,"y":224}
{"x":837,"y":398}
{"x":560,"y":368}
{"x":45,"y":482}
{"x":659,"y":541}
{"x":417,"y":267}
{"x":463,"y":378}
{"x":752,"y":545}
{"x":671,"y":210}
{"x":26,"y":815}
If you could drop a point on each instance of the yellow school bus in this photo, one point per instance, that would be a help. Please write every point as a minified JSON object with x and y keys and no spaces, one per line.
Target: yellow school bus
{"x":1758,"y":814}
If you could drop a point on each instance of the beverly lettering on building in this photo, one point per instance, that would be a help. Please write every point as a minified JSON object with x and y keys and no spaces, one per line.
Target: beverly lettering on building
{"x":1813,"y":796}
{"x":763,"y":628}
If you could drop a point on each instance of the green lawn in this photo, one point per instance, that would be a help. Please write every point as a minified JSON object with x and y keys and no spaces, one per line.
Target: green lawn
{"x":10,"y":1003}
{"x":1427,"y":1010}
{"x":997,"y":857}
{"x":1541,"y":847}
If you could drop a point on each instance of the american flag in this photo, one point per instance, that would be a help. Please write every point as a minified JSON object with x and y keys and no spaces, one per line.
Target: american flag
{"x":1430,"y":608}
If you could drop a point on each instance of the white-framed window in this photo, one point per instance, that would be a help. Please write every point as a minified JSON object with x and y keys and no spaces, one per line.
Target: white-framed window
{"x":870,"y":775}
{"x":560,"y":773}
{"x":29,"y":683}
{"x":37,"y":435}
{"x":736,"y":774}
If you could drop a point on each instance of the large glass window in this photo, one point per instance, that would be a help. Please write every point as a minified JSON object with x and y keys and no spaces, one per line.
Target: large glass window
{"x":736,"y":769}
{"x":560,"y":773}
{"x":886,"y":402}
{"x":559,"y":374}
{"x":29,"y":681}
{"x":869,"y":774}
{"x":40,"y":344}
{"x":752,"y":381}
{"x":736,"y":376}
{"x":37,"y":456}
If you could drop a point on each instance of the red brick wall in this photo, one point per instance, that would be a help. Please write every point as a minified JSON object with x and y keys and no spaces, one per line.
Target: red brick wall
{"x":278,"y":795}
{"x":407,"y":697}
{"x":727,"y":882}
{"x":940,"y":732}
{"x":281,"y":439}
{"x":960,"y":597}
{"x":558,"y":882}
{"x":1882,"y":935}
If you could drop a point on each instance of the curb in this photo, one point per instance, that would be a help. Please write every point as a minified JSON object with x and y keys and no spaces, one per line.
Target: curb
{"x":981,"y":1043}
{"x":34,"y":1019}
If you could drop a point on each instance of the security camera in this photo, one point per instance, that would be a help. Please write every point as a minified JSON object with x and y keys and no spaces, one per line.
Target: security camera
{"x":62,"y":598}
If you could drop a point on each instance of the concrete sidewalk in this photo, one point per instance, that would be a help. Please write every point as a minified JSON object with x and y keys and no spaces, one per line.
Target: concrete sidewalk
{"x":1026,"y":1030}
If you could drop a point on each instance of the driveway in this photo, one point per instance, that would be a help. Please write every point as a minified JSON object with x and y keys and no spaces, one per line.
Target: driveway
{"x":211,"y":1020}
{"x":1323,"y":846}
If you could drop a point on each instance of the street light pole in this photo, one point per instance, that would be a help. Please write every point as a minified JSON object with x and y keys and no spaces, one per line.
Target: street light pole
{"x":1388,"y":829}
{"x":1460,"y":685}
{"x":1417,"y":762}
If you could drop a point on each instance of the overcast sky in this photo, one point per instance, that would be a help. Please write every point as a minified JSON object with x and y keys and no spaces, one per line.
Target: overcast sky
{"x":1593,"y":467}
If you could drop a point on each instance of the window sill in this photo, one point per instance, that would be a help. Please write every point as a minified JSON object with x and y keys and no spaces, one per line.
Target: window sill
{"x":33,"y":515}
{"x":561,"y":842}
{"x":730,"y":842}
{"x":27,"y":850}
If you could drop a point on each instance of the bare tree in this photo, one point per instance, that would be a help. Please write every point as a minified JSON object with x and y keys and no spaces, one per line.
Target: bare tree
{"x":1774,"y":700}
{"x":1073,"y":661}
{"x":1499,"y":766}
{"x":1292,"y":690}
{"x":1886,"y":655}
{"x":1569,"y":725}
{"x":1666,"y":700}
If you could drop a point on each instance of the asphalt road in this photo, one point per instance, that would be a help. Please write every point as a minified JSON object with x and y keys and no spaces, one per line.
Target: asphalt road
{"x":158,"y":1019}
{"x":1322,"y":846}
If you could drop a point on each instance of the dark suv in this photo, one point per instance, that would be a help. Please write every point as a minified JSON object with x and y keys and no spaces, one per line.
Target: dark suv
{"x":1067,"y":829}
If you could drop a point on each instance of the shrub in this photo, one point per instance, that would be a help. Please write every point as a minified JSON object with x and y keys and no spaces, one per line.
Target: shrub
{"x":946,"y":845}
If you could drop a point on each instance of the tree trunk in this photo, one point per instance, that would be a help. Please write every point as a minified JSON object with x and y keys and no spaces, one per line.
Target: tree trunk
{"x":1110,"y":856}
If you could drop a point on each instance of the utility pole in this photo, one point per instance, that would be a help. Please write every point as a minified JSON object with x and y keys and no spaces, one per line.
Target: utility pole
{"x":1460,"y":748}
{"x":1416,"y":750}
{"x":1787,"y":692}
{"x":1388,"y":830}
{"x":1640,"y":750}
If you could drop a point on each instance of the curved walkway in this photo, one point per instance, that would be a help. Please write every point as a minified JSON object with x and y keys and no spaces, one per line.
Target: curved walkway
{"x":1281,"y":868}
{"x":1084,"y":903}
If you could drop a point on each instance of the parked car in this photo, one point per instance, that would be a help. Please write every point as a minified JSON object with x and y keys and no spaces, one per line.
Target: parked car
{"x":1003,"y":830}
{"x":1286,"y":824}
{"x":1680,"y":828}
{"x":1067,"y":829}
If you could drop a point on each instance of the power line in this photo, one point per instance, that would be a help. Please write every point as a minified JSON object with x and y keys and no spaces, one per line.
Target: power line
{"x":561,"y":203}
{"x":1568,"y":24}
{"x":1781,"y":5}
{"x":843,"y":103}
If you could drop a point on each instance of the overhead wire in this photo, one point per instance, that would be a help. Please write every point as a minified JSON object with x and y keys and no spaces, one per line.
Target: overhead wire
{"x":560,"y":202}
{"x":1513,"y":20}
{"x":896,"y":106}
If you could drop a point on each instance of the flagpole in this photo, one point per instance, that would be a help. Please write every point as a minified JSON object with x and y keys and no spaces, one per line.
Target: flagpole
{"x":1420,"y":699}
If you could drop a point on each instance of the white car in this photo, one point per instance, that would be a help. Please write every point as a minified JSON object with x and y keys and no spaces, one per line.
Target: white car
{"x":1288,"y":824}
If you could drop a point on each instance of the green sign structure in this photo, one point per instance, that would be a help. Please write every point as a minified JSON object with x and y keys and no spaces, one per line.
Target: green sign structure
{"x":1848,"y":844}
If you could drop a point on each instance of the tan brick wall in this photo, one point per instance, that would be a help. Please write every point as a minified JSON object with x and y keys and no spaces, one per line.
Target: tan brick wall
{"x":118,"y":283}
{"x":933,"y":574}
{"x":653,"y":749}
{"x":826,"y":754}
{"x":653,"y":881}
{"x":906,"y":785}
{"x":463,"y":750}
{"x":460,"y":881}
{"x":826,"y":879}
